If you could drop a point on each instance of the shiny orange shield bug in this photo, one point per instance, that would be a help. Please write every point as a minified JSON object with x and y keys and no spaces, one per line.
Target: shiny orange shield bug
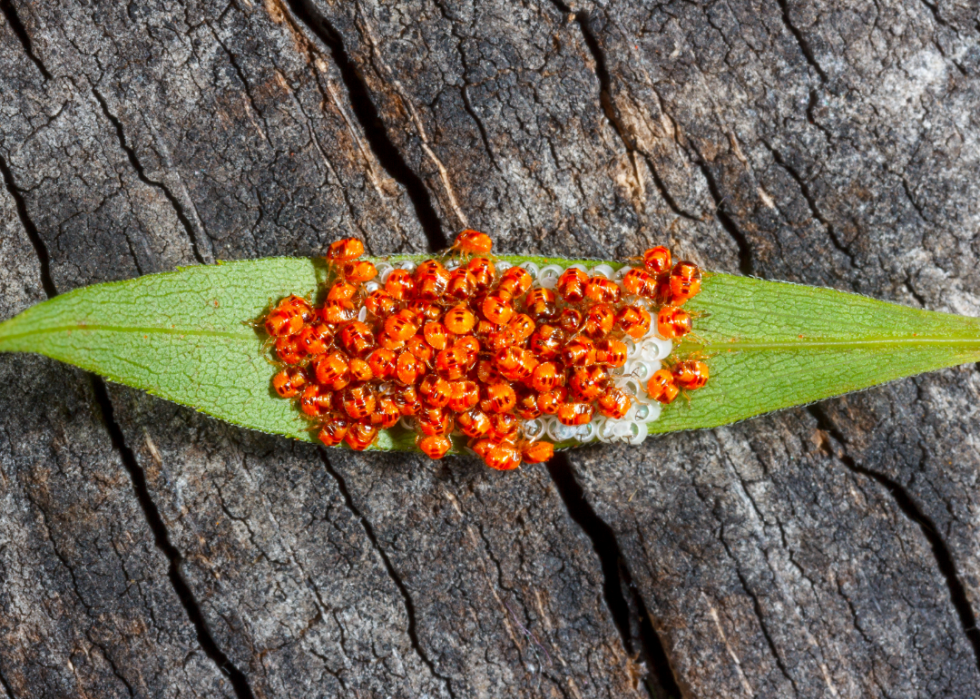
{"x":661,"y":387}
{"x":637,"y":282}
{"x":571,"y":285}
{"x":657,"y":260}
{"x":586,"y":383}
{"x":380,"y":303}
{"x":547,"y":342}
{"x":408,"y":401}
{"x":434,"y":446}
{"x":504,"y":427}
{"x":452,"y":363}
{"x":283,"y":323}
{"x":289,"y":382}
{"x":315,"y":339}
{"x":360,"y":370}
{"x":357,"y":338}
{"x":420,"y":348}
{"x":473,"y":423}
{"x":297,"y":304}
{"x":289,"y":350}
{"x":434,"y":391}
{"x":471,"y":242}
{"x":497,"y":309}
{"x":527,"y":405}
{"x":409,"y":368}
{"x":345,"y":250}
{"x":503,"y":457}
{"x":330,"y":367}
{"x":436,"y":335}
{"x":462,"y":284}
{"x":401,"y":325}
{"x":459,"y":320}
{"x":515,"y":282}
{"x":334,"y":430}
{"x":434,"y":421}
{"x":673,"y":323}
{"x":501,"y":397}
{"x":463,"y":395}
{"x":602,"y":290}
{"x":614,"y":403}
{"x":685,"y":282}
{"x":316,"y":402}
{"x":359,"y":402}
{"x":634,"y":320}
{"x":360,"y":436}
{"x":546,"y":376}
{"x":386,"y":414}
{"x":571,"y":320}
{"x":359,"y":271}
{"x":521,"y":327}
{"x":574,"y":414}
{"x":483,"y":273}
{"x":599,"y":321}
{"x":548,"y":403}
{"x":537,"y":452}
{"x":580,"y":351}
{"x":341,"y":291}
{"x":400,"y":284}
{"x":382,"y":363}
{"x":337,"y":312}
{"x":690,"y":375}
{"x":541,"y":304}
{"x":611,"y":352}
{"x":431,"y":281}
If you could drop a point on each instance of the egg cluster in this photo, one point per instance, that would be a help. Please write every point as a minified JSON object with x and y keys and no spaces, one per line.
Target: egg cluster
{"x":514,"y":358}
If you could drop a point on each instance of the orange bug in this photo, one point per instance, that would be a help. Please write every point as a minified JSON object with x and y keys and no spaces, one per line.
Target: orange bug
{"x":573,"y":414}
{"x":400,"y":284}
{"x":281,"y":323}
{"x":527,"y":405}
{"x":541,"y":304}
{"x":685,"y":282}
{"x":546,"y":376}
{"x":673,"y":323}
{"x":500,"y":397}
{"x":408,"y":401}
{"x":471,"y":346}
{"x":380,"y":303}
{"x":515,"y":364}
{"x":434,"y":446}
{"x":289,"y":350}
{"x":504,"y":427}
{"x":515,"y":282}
{"x":337,"y":312}
{"x":452,"y":363}
{"x":297,"y":304}
{"x":436,"y":335}
{"x":520,"y":326}
{"x":571,"y":320}
{"x":571,"y":285}
{"x":357,"y":338}
{"x":473,"y":242}
{"x":420,"y":348}
{"x":316,"y":402}
{"x":359,"y":402}
{"x":435,"y":391}
{"x":359,"y":271}
{"x":360,"y":436}
{"x":661,"y":387}
{"x":345,"y":250}
{"x":360,"y":370}
{"x":463,"y":395}
{"x":537,"y":452}
{"x":637,"y":282}
{"x":611,"y":352}
{"x":547,"y":342}
{"x":599,"y":321}
{"x":614,"y":403}
{"x":602,"y":290}
{"x":690,"y":374}
{"x":401,"y":325}
{"x":382,"y":363}
{"x":409,"y":368}
{"x":459,"y":320}
{"x":487,"y":373}
{"x":315,"y":339}
{"x":548,"y":403}
{"x":334,"y":430}
{"x":634,"y":320}
{"x":586,"y":383}
{"x":656,"y":260}
{"x":503,"y":457}
{"x":431,"y":281}
{"x":462,"y":284}
{"x":473,"y":423}
{"x":497,"y":309}
{"x":434,"y":421}
{"x":387,"y":413}
{"x":580,"y":351}
{"x":289,"y":382}
{"x":342,"y":291}
{"x":483,"y":273}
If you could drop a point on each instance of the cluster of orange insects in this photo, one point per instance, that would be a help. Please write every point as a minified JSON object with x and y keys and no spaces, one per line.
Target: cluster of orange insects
{"x":474,"y":350}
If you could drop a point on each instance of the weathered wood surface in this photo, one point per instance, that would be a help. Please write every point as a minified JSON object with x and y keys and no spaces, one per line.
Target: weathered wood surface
{"x":831,"y":551}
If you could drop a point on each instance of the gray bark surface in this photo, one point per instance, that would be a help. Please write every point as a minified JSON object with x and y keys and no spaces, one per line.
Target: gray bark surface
{"x":146,"y":550}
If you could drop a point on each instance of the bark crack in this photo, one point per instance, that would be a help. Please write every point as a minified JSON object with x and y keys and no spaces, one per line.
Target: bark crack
{"x":407,"y":600}
{"x":10,"y":12}
{"x":141,"y":174}
{"x":911,"y":509}
{"x":745,"y":265}
{"x":629,"y":613}
{"x":6,"y":686}
{"x":366,"y":113}
{"x":40,"y":249}
{"x":805,"y":48}
{"x":161,"y":537}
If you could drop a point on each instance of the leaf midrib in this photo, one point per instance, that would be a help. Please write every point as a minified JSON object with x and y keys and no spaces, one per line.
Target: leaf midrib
{"x":134,"y":329}
{"x":807,"y":344}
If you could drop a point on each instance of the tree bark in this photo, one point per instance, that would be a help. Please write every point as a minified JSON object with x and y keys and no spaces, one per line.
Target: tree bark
{"x":146,"y":550}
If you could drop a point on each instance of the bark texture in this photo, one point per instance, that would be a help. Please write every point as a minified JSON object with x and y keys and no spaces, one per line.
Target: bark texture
{"x":146,"y":550}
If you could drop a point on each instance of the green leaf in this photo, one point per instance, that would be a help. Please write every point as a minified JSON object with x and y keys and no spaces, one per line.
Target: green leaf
{"x":187,"y":336}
